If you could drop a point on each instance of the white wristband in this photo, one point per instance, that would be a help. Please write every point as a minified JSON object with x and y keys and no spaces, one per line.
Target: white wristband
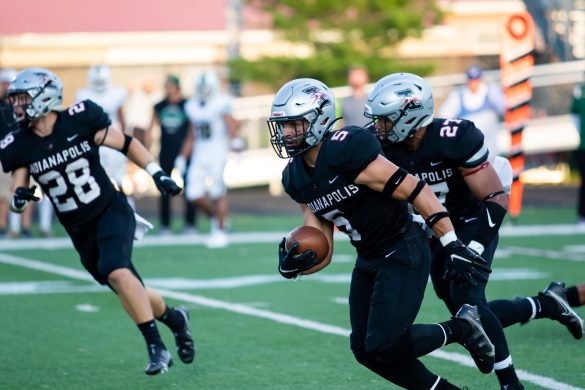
{"x":448,"y":238}
{"x":152,"y":168}
{"x":476,"y":246}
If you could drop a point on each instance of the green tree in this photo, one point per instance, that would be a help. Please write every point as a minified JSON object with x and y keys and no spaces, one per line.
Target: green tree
{"x":339,"y":34}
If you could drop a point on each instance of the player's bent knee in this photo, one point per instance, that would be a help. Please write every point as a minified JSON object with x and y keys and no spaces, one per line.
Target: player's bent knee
{"x":363,"y":357}
{"x":118,"y":276}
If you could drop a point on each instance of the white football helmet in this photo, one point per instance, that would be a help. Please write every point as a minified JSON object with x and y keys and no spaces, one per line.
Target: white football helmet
{"x":403,"y":98}
{"x":99,"y":77}
{"x":44,"y":88}
{"x":206,"y":86}
{"x":304,"y":99}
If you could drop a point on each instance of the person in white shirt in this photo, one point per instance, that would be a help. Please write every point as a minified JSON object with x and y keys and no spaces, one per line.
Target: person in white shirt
{"x":111,"y":99}
{"x":214,"y":133}
{"x":480,"y":103}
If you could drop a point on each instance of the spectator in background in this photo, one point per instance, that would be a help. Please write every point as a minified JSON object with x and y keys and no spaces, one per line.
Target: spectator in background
{"x":578,"y":116}
{"x":170,"y":114}
{"x":111,"y":99}
{"x":480,"y":103}
{"x":352,"y":107}
{"x":215,"y":131}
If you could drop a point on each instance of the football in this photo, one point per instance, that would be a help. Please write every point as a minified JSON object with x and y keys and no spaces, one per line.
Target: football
{"x":309,"y":237}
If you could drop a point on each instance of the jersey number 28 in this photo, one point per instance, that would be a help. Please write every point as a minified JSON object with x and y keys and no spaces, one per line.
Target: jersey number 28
{"x":78,"y":175}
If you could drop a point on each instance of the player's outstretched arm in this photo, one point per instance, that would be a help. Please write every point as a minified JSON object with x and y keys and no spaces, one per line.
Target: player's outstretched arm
{"x":139,"y":155}
{"x":462,"y":263}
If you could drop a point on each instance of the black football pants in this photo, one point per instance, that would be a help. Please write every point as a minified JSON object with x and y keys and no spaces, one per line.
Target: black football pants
{"x":384,"y":299}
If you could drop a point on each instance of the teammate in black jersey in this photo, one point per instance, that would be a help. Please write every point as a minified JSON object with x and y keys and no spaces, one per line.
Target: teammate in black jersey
{"x":60,"y":150}
{"x":450,"y":155}
{"x":340,"y":177}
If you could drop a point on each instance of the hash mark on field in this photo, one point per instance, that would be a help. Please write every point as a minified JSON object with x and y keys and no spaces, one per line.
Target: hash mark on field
{"x":459,"y":358}
{"x":546,"y":253}
{"x":87,"y":308}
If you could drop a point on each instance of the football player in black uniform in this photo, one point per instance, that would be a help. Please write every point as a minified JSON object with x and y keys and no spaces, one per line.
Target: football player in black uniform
{"x":341,"y":177}
{"x":60,"y":150}
{"x":450,"y":155}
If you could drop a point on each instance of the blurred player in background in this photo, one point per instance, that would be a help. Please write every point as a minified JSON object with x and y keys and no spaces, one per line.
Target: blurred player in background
{"x":170,"y":114}
{"x":100,"y":90}
{"x":60,"y":150}
{"x":451,"y":156}
{"x":479,"y":102}
{"x":341,"y":177}
{"x":215,"y":132}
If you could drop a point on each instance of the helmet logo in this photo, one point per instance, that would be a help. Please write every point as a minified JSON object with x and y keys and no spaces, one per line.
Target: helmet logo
{"x":318,"y":95}
{"x":409,"y":103}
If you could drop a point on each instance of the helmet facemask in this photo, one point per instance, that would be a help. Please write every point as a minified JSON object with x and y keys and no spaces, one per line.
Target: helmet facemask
{"x":303,"y":111}
{"x":34,"y":93}
{"x":399,"y":105}
{"x":384,"y":127}
{"x":301,"y":139}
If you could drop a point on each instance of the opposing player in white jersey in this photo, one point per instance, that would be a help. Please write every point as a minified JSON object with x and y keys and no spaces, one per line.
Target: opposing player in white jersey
{"x":111,"y":99}
{"x":214,"y":133}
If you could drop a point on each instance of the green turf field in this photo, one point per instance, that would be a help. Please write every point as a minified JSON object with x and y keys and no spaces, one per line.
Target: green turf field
{"x":254,"y":330}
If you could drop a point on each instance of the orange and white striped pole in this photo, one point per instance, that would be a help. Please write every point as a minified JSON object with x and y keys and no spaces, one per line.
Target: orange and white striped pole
{"x":516,"y":67}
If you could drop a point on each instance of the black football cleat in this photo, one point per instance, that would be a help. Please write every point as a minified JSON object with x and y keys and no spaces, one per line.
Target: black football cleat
{"x":565,"y":315}
{"x":159,"y":360}
{"x":185,"y":344}
{"x":477,"y":343}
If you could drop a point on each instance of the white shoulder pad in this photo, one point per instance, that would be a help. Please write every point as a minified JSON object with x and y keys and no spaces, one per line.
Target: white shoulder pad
{"x":504,"y":170}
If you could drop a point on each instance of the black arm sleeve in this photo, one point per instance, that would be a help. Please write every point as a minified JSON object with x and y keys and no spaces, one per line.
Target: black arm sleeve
{"x":490,"y":219}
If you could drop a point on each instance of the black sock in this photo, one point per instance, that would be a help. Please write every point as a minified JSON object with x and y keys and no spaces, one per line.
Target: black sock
{"x":150,"y":333}
{"x":455,"y":330}
{"x":573,"y":296}
{"x":545,"y":306}
{"x":507,"y":376}
{"x":173,"y":319}
{"x":511,"y":312}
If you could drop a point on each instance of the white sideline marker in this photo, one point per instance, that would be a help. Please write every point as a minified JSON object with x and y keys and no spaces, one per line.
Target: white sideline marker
{"x":546,"y":382}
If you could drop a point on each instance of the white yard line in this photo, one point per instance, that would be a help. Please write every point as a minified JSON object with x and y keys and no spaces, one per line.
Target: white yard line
{"x":268,"y":237}
{"x":546,"y":382}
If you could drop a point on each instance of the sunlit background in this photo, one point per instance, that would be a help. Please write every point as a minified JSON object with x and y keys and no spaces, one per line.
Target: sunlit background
{"x":256,"y":46}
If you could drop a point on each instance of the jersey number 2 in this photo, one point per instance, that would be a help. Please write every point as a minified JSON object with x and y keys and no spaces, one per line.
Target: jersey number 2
{"x":77,"y":174}
{"x":342,"y":224}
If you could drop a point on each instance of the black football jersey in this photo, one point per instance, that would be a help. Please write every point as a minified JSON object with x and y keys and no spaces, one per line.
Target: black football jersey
{"x":66,"y":163}
{"x":446,"y":145}
{"x":371,"y":219}
{"x":7,"y":121}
